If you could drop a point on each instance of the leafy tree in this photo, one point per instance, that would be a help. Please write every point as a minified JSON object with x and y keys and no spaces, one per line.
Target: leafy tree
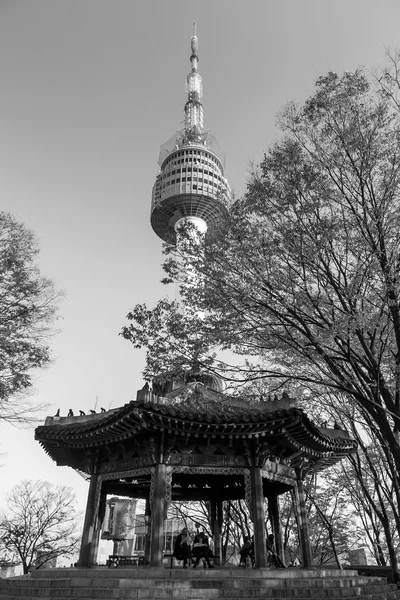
{"x":169,"y":356}
{"x":370,"y":477}
{"x":28,"y":303}
{"x":332,"y":517}
{"x":40,"y":524}
{"x":372,"y":483}
{"x":303,"y":280}
{"x":304,"y":276}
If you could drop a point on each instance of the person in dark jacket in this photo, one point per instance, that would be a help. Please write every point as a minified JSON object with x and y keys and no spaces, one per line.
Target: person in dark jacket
{"x":246,"y":551}
{"x":182,"y":549}
{"x":201,"y":549}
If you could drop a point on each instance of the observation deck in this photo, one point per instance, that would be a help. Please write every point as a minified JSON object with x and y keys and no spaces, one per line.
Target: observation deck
{"x":191,"y":183}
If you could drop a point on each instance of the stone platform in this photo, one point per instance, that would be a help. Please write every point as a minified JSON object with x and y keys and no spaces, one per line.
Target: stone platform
{"x":189,"y":584}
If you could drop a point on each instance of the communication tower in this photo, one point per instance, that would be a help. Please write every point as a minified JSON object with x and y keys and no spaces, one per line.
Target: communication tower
{"x":191,"y":185}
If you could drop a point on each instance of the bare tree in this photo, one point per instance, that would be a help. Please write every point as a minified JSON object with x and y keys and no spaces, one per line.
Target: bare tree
{"x":40,"y":524}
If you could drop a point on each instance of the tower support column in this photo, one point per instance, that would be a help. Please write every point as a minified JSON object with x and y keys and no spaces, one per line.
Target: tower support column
{"x":157,"y":517}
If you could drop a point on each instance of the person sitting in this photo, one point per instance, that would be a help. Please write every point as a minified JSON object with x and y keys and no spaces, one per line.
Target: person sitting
{"x":201,"y":549}
{"x":246,"y":551}
{"x":273,"y":559}
{"x":182,"y":547}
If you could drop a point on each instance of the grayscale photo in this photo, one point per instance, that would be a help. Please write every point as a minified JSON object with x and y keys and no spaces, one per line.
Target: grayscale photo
{"x":199,"y":299}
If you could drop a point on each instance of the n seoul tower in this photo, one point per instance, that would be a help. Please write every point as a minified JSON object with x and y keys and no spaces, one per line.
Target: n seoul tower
{"x":190,"y":186}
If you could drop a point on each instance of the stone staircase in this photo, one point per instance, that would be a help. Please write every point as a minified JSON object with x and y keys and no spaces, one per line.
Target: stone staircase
{"x":226,"y":583}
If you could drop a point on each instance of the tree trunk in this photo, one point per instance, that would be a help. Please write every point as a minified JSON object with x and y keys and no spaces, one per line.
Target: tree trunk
{"x":330,"y":533}
{"x":392,"y":553}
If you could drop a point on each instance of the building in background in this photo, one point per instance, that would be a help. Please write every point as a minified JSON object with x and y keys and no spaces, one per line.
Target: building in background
{"x":119,"y":524}
{"x":10,"y":569}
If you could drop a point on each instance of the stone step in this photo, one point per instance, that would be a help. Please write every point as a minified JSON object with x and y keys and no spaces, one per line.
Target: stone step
{"x":107,"y":594}
{"x":219,"y":572}
{"x":269,"y":580}
{"x":213,"y":578}
{"x":195,"y":594}
{"x":224,"y":584}
{"x":344,"y":586}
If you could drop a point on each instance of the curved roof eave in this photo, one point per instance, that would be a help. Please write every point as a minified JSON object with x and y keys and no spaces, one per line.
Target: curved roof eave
{"x":222,"y":418}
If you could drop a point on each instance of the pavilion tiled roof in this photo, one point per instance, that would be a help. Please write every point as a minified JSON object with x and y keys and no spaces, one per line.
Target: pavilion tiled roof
{"x":198,"y":411}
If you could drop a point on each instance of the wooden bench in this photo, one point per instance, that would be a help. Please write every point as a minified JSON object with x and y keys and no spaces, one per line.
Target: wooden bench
{"x":117,"y":560}
{"x":136,"y":560}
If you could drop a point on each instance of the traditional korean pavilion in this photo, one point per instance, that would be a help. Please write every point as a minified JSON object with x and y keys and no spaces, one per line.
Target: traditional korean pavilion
{"x":194,"y":443}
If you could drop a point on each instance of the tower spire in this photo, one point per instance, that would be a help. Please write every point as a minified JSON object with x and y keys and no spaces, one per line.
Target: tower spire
{"x":194,"y":90}
{"x":194,"y":44}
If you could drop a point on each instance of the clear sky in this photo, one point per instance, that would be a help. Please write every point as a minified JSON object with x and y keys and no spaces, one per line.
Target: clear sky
{"x":89,"y":91}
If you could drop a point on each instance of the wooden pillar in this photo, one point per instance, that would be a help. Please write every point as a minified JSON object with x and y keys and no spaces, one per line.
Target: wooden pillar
{"x":304,"y":533}
{"x":258,"y":516}
{"x":89,"y":525}
{"x":273,"y":512}
{"x":157,"y":517}
{"x":147,"y":543}
{"x":216,"y":524}
{"x":98,"y":524}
